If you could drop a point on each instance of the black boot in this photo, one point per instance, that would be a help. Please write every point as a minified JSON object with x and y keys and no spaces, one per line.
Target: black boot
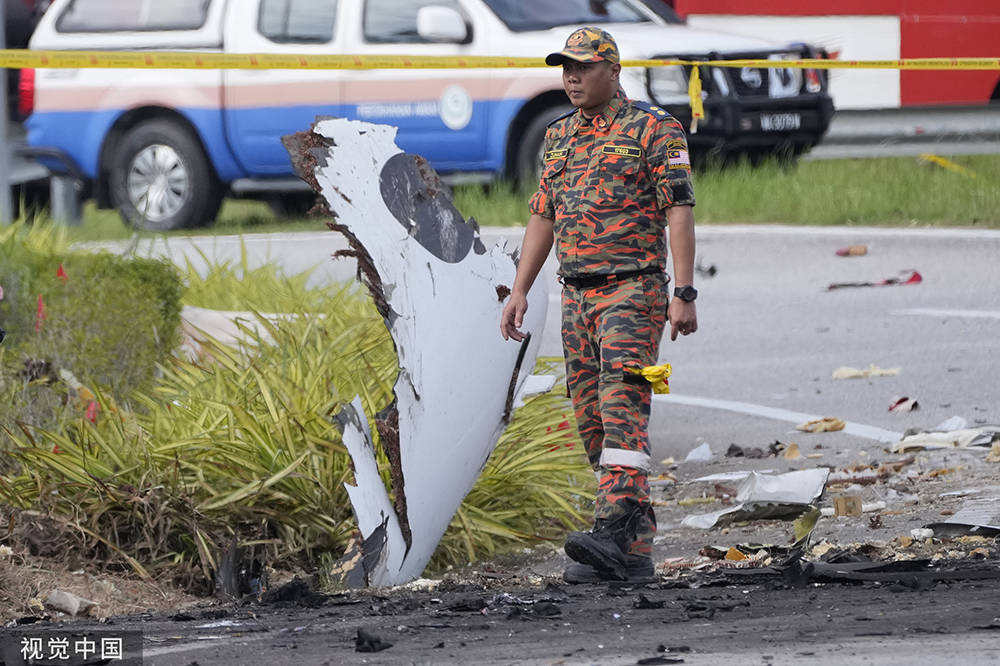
{"x":606,"y":546}
{"x":638,"y":570}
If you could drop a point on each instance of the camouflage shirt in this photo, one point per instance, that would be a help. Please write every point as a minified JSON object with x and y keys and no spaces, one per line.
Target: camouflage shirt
{"x":606,"y":182}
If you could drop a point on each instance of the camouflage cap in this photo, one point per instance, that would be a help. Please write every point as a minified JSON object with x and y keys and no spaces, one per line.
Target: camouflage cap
{"x":586,"y":45}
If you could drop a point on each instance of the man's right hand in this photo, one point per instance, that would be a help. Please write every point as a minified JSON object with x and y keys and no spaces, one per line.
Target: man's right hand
{"x":513,"y":316}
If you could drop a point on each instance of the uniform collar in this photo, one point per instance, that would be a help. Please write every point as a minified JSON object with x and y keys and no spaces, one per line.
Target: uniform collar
{"x":603,"y":119}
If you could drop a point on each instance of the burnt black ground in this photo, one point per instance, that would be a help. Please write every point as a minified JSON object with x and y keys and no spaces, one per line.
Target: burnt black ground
{"x":511,"y":619}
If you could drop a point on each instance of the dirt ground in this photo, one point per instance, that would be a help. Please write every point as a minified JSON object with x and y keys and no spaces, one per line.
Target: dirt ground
{"x":864,"y":591}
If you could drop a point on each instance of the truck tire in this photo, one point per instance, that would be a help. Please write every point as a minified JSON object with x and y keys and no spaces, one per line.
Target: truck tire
{"x":161,"y":179}
{"x":529,"y":152}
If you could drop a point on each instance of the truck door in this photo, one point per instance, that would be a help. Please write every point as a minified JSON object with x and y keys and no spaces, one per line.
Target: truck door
{"x":442,"y":114}
{"x":261,"y":106}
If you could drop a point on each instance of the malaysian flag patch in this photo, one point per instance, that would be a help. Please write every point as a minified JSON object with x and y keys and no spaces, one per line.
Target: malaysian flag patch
{"x":678,"y":159}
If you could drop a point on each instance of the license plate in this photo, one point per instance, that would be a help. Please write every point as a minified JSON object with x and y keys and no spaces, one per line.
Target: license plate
{"x":780,"y":122}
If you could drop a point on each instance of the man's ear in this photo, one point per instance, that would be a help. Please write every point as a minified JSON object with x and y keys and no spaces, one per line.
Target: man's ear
{"x":616,"y":69}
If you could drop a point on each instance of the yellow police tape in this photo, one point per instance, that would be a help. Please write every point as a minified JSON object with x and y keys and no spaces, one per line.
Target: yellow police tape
{"x":22,"y":58}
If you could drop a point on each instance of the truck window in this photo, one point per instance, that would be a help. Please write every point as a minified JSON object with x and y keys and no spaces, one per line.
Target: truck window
{"x":135,"y":15}
{"x":396,"y":20}
{"x":309,"y":21}
{"x":544,"y":14}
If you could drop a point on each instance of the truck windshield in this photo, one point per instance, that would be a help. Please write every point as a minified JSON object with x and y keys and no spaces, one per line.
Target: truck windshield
{"x":544,"y":14}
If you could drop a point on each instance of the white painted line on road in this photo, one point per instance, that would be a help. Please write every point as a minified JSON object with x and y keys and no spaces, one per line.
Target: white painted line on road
{"x":856,"y":429}
{"x":206,"y":642}
{"x":939,"y":312}
{"x":740,"y":230}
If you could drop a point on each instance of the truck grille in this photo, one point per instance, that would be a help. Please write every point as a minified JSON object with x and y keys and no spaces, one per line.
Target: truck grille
{"x":765,"y":81}
{"x":770,"y":82}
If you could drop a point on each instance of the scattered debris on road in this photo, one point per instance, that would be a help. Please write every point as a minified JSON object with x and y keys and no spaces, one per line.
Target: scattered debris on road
{"x":847,"y":372}
{"x":903,"y":404}
{"x":767,"y":496}
{"x":857,"y":250}
{"x":825,"y":424}
{"x":705,"y":271}
{"x":978,"y":517}
{"x":906,"y":277}
{"x":981,"y":438}
{"x":700,"y":453}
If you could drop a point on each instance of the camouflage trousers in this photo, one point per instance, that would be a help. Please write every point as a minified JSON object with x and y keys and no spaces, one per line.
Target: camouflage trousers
{"x":605,"y":331}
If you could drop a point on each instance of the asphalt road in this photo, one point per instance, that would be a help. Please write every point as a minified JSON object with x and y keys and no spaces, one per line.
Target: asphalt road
{"x":755,"y":621}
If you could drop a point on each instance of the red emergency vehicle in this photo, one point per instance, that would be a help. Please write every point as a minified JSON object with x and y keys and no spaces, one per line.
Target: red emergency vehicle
{"x":876,"y":29}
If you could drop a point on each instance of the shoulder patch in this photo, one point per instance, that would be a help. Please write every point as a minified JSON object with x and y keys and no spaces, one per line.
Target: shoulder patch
{"x":655,"y":111}
{"x":565,"y":115}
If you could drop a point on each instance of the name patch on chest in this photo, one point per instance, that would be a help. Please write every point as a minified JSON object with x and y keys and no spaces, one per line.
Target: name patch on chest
{"x":552,"y":155}
{"x":625,"y":151}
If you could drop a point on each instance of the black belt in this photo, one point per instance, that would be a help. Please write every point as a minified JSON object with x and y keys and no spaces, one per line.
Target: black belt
{"x":591,"y":281}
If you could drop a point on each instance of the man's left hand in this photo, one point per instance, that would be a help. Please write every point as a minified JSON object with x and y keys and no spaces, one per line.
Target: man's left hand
{"x":683,"y":317}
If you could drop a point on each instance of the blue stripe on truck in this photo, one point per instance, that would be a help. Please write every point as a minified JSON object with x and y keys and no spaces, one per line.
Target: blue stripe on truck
{"x":254,"y":147}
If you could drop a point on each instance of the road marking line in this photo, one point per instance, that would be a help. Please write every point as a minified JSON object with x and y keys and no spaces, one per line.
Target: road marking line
{"x":939,"y":312}
{"x":778,"y":414}
{"x":204,"y":643}
{"x":742,"y":230}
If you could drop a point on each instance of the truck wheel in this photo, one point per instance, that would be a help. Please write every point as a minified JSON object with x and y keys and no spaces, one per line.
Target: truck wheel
{"x":162,"y":180}
{"x":529,"y":153}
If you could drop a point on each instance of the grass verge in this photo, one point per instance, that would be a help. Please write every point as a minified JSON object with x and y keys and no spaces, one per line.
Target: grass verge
{"x":895,"y":192}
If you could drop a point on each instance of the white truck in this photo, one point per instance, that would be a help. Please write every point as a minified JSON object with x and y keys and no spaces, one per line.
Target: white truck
{"x":165,"y":146}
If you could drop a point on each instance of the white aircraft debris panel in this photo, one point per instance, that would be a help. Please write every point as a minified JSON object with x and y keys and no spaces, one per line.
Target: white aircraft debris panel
{"x":441,"y":292}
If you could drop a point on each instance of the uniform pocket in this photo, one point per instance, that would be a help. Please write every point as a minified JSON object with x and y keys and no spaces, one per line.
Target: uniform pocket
{"x":617,"y":175}
{"x":553,"y":168}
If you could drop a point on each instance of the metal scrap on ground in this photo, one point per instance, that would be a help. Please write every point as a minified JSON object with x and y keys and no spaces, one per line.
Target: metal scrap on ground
{"x":981,"y":438}
{"x":767,"y":496}
{"x":440,"y":292}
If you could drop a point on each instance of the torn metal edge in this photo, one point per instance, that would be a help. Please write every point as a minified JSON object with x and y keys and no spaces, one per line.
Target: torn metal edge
{"x":512,"y":387}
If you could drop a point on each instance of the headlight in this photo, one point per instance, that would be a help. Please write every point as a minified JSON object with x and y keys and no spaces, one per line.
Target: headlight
{"x":667,"y":85}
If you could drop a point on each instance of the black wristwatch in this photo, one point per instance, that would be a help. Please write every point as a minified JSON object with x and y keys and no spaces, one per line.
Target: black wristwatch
{"x":687,"y":293}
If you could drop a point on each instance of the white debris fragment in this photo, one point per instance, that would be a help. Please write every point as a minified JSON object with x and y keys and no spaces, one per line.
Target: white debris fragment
{"x":700,"y":453}
{"x":69,"y":603}
{"x":866,"y":507}
{"x":762,"y":496}
{"x":441,"y":293}
{"x":534,"y":385}
{"x":973,"y":439}
{"x":423,"y":585}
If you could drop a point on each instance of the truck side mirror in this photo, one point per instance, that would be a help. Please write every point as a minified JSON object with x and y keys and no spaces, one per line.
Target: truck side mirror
{"x":442,"y":24}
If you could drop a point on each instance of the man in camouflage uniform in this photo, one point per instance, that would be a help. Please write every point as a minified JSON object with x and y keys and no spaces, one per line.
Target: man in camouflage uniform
{"x":615,"y":173}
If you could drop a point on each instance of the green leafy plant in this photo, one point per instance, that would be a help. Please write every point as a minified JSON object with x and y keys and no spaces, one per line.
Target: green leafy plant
{"x":104,"y":319}
{"x":241,"y":443}
{"x":223,"y":285}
